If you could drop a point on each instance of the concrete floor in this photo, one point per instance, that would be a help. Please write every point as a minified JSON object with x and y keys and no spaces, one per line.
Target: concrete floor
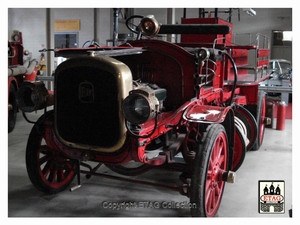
{"x":97,"y":195}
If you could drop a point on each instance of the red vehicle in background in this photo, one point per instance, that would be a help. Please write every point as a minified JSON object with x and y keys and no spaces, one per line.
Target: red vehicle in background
{"x":190,"y":106}
{"x":19,"y":71}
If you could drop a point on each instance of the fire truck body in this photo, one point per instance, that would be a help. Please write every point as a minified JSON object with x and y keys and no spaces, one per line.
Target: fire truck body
{"x":18,"y":72}
{"x":116,"y":105}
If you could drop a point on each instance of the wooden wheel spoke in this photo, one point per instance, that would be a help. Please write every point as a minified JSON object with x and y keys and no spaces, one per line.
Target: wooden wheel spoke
{"x":44,"y":149}
{"x":217,"y":150}
{"x":213,"y":199}
{"x":210,"y":201}
{"x":52,"y":176}
{"x":61,"y":175}
{"x":222,"y":159}
{"x":218,"y":190}
{"x":45,"y":158}
{"x":47,"y":169}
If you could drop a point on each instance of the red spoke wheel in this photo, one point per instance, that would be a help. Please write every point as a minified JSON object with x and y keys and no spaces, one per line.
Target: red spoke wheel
{"x":211,"y":163}
{"x":47,"y":169}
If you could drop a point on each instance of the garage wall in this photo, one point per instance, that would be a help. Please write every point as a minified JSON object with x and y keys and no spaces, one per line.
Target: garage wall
{"x":32,"y":23}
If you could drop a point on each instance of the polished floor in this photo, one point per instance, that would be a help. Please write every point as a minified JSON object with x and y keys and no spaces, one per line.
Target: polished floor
{"x":105,"y":197}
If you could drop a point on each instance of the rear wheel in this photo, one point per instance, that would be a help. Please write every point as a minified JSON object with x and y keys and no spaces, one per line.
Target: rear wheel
{"x":211,"y":163}
{"x":239,"y":146}
{"x":250,"y":123}
{"x":47,"y":169}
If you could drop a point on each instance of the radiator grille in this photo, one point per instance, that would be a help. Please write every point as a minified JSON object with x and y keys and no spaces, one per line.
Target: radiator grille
{"x":86,"y":106}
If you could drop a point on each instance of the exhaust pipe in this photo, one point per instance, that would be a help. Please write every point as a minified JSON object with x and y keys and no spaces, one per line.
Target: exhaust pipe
{"x":34,"y":96}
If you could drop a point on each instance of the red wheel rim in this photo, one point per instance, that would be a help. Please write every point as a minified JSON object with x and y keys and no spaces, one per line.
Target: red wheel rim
{"x":55,"y":170}
{"x":216,"y":168}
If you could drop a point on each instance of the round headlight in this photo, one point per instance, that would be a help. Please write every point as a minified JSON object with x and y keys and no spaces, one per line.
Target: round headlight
{"x":139,"y":106}
{"x":32,"y":96}
{"x":149,"y":26}
{"x":203,"y":54}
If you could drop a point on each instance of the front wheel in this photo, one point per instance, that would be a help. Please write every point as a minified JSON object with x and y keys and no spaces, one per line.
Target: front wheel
{"x":47,"y":169}
{"x":211,"y":163}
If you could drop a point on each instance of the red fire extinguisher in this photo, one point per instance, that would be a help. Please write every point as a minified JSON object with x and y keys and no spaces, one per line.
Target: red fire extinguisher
{"x":281,"y":109}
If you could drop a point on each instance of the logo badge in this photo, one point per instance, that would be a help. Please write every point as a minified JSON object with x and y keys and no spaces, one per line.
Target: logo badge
{"x":271,"y":197}
{"x":86,"y":92}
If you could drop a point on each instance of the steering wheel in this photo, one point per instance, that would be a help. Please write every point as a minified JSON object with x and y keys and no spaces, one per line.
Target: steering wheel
{"x":131,"y":26}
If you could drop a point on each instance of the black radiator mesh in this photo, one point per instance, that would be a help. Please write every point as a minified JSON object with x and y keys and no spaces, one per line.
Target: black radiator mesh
{"x":87,"y":106}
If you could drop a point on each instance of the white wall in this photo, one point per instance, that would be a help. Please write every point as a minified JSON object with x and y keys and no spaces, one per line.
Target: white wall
{"x":32,"y":23}
{"x":86,"y":17}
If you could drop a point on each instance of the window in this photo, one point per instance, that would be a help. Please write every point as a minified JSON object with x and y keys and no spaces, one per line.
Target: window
{"x":66,"y":40}
{"x":282,"y":38}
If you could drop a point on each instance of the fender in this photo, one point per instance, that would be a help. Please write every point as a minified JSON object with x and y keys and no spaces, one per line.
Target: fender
{"x":206,"y":114}
{"x":214,"y":114}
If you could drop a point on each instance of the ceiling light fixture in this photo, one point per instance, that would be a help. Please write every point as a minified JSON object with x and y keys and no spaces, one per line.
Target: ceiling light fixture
{"x":249,"y":11}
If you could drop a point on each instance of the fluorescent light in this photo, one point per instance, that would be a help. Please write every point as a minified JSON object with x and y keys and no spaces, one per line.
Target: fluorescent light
{"x":287,"y":36}
{"x":249,"y":11}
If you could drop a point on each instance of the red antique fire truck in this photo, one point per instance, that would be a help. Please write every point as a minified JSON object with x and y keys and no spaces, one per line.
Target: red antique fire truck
{"x":194,"y":102}
{"x":18,"y":72}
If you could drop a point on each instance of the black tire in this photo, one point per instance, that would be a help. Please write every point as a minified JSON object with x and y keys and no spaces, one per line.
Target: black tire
{"x":12,"y":114}
{"x":260,"y":119}
{"x":47,"y":169}
{"x":207,"y":184}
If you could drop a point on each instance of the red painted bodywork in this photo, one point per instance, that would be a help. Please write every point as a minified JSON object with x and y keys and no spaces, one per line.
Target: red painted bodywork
{"x":201,"y":96}
{"x":172,"y":67}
